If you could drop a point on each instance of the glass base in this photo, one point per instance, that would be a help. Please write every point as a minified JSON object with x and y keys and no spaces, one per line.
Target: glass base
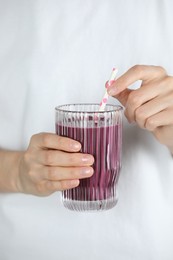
{"x":84,"y":206}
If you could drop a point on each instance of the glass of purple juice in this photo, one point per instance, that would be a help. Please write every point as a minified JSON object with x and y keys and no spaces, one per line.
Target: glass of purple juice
{"x":100,"y":134}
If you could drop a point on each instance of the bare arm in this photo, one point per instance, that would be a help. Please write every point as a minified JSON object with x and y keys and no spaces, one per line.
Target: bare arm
{"x":9,"y":165}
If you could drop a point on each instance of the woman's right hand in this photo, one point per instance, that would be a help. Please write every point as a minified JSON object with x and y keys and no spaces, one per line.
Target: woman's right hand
{"x":52,"y":163}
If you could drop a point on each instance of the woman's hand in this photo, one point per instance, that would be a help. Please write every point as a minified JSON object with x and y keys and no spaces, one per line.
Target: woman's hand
{"x":52,"y":163}
{"x":150,"y":106}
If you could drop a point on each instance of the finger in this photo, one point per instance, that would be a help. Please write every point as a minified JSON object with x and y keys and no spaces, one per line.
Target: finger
{"x":60,"y":185}
{"x":138,"y":72}
{"x":53,"y":141}
{"x":143,"y":95}
{"x":164,"y":118}
{"x":164,"y":135}
{"x":147,"y":110}
{"x":150,"y":108}
{"x":123,"y":96}
{"x":66,"y":173}
{"x":59,"y":158}
{"x":132,"y":99}
{"x":146,"y":93}
{"x":109,"y":83}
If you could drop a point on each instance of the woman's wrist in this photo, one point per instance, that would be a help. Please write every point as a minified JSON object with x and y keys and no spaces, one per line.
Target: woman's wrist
{"x":9,"y":171}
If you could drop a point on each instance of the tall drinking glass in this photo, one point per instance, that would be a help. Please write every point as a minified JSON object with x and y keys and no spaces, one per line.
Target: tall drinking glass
{"x":100,"y":134}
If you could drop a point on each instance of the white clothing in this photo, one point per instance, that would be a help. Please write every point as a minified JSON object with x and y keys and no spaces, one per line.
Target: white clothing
{"x":55,"y":52}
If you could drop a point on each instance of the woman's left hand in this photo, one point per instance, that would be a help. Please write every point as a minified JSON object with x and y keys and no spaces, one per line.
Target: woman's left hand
{"x":150,"y":106}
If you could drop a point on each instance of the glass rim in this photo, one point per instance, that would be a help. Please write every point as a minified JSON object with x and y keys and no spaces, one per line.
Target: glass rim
{"x":61,"y":108}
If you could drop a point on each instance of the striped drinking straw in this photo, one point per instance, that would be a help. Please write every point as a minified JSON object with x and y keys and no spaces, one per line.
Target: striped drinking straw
{"x":105,"y":97}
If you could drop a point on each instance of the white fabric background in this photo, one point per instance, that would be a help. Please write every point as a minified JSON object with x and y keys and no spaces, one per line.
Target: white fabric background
{"x":54,"y":52}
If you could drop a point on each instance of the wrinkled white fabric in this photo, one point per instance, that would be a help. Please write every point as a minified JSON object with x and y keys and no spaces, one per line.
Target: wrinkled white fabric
{"x":55,"y":52}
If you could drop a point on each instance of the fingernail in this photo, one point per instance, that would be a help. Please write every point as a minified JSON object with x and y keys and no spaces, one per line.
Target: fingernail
{"x":87,"y":171}
{"x":112,"y":91}
{"x":75,"y":146}
{"x":109,"y":83}
{"x":87,"y":159}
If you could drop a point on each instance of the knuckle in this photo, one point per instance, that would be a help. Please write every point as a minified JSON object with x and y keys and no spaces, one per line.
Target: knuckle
{"x":134,"y":98}
{"x":52,"y":174}
{"x":151,"y":124}
{"x":27,"y":156}
{"x":61,"y":141}
{"x":35,"y":137}
{"x":140,"y":114}
{"x":31,"y":174}
{"x":52,"y":186}
{"x":74,"y":173}
{"x":73,"y":158}
{"x":161,"y":70}
{"x":137,"y":69}
{"x":48,"y":157}
{"x":46,"y":139}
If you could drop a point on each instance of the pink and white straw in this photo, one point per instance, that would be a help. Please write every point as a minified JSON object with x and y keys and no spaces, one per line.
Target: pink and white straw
{"x":106,"y":96}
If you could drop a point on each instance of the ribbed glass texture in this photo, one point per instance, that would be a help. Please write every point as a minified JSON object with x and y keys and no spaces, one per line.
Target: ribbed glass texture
{"x":100,"y":134}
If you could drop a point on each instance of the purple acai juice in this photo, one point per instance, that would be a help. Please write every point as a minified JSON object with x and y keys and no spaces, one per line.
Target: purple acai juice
{"x":104,"y":143}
